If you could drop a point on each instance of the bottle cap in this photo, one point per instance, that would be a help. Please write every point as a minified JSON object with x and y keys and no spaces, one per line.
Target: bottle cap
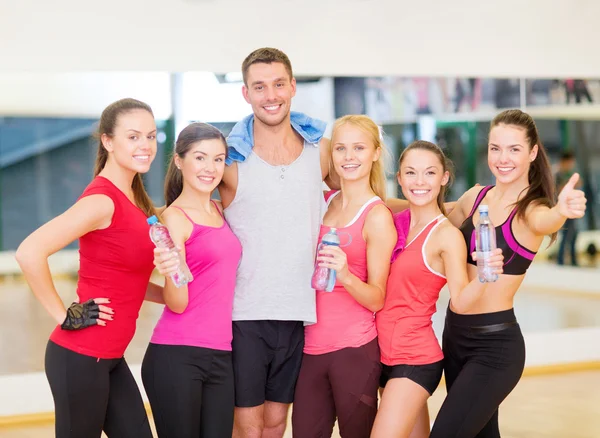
{"x":152,"y":220}
{"x":483,"y":209}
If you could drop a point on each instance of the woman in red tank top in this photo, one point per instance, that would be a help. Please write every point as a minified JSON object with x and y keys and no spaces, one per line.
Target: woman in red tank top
{"x":91,"y":384}
{"x":434,"y":254}
{"x":340,"y":369}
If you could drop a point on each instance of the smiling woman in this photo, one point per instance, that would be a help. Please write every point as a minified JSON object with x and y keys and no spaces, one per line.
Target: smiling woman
{"x":92,"y":386}
{"x":484,"y":346}
{"x":188,"y":370}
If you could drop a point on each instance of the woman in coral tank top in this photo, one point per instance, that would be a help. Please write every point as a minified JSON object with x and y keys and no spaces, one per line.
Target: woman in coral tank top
{"x":433,"y":256}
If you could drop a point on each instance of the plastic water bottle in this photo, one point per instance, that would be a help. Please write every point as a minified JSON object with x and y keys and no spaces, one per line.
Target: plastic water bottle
{"x":159,"y":234}
{"x":323,"y":279}
{"x":486,"y":243}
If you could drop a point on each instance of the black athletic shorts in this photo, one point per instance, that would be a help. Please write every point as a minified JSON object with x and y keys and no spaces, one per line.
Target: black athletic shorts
{"x":266,"y":361}
{"x":428,"y":376}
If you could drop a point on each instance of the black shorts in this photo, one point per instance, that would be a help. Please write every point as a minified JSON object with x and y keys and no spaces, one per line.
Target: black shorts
{"x":428,"y":376}
{"x":266,"y":361}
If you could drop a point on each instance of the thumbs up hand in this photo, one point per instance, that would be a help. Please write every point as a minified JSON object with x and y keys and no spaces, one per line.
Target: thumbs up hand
{"x":571,"y":202}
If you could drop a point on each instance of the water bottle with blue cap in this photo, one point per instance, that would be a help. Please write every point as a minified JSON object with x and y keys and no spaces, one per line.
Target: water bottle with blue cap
{"x":323,"y":279}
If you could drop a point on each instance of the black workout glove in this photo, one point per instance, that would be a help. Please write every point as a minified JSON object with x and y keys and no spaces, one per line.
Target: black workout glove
{"x":80,"y":316}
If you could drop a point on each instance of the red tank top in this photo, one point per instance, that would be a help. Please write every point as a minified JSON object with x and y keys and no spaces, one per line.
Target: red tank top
{"x":404,"y":326}
{"x":114,"y":263}
{"x":341,"y":321}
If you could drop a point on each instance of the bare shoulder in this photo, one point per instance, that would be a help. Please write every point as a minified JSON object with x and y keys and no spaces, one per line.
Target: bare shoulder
{"x":448,"y":236}
{"x":172,"y":215}
{"x":379,"y":218}
{"x":468,"y":198}
{"x":178,"y":224}
{"x":463,"y":206}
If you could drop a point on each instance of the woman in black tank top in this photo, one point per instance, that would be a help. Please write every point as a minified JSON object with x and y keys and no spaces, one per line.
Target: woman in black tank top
{"x":484,"y":351}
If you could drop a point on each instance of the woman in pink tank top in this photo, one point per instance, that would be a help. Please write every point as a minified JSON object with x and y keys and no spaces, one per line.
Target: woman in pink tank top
{"x":340,"y":368}
{"x":410,"y":353}
{"x":187,"y":370}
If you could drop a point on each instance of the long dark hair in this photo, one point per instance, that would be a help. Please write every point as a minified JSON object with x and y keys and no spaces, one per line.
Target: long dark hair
{"x":541,"y":189}
{"x":108,"y":121}
{"x":445,"y":161}
{"x":191,"y":134}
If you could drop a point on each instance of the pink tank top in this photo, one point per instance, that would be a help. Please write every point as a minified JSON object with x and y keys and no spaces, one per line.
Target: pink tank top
{"x":341,"y":321}
{"x":212,"y":254}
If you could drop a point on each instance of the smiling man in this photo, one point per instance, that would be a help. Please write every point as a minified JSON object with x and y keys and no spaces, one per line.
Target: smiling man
{"x":273,"y":200}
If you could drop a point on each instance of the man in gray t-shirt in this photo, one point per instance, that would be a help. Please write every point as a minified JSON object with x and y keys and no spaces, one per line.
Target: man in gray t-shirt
{"x":273,"y":201}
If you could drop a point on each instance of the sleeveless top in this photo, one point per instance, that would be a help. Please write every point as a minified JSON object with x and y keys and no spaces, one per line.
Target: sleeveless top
{"x":341,"y":321}
{"x":517,"y":258}
{"x":212,"y":255}
{"x":404,"y":325}
{"x":276,"y":215}
{"x":114,"y":263}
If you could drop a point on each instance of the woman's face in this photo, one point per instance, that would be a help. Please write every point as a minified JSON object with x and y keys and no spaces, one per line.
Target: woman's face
{"x":509,"y":153}
{"x":203,"y":165}
{"x":421,"y":176}
{"x":353,"y":152}
{"x":133,"y":143}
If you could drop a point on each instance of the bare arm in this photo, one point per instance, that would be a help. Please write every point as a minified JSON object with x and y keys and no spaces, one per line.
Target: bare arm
{"x":380,"y":235}
{"x":154,"y":294}
{"x":453,"y":252}
{"x":180,"y":228}
{"x":463,"y":206}
{"x":571,"y":204}
{"x":228,"y":187}
{"x":90,"y":213}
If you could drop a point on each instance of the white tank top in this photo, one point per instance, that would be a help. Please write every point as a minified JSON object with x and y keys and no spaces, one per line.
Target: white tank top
{"x":276,"y":215}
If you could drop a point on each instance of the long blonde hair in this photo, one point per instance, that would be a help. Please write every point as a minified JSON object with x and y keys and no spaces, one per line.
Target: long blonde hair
{"x":377,"y":179}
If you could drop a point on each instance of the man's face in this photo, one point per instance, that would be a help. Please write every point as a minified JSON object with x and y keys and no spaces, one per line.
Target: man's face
{"x":269,"y":91}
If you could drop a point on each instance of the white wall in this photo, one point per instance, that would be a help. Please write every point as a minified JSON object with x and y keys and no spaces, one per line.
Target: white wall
{"x":332,"y":37}
{"x":85,"y":94}
{"x":80,"y":94}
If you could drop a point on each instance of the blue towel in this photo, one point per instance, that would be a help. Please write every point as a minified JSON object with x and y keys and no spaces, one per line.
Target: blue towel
{"x":241,"y":138}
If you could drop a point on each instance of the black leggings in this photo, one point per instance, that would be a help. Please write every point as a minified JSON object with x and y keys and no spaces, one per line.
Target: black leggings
{"x":190,"y":391}
{"x":484,"y":357}
{"x":92,"y":395}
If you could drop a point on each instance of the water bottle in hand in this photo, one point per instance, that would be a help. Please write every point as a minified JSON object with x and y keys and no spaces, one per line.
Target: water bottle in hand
{"x":323,"y":279}
{"x":162,"y":239}
{"x":486,"y":243}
